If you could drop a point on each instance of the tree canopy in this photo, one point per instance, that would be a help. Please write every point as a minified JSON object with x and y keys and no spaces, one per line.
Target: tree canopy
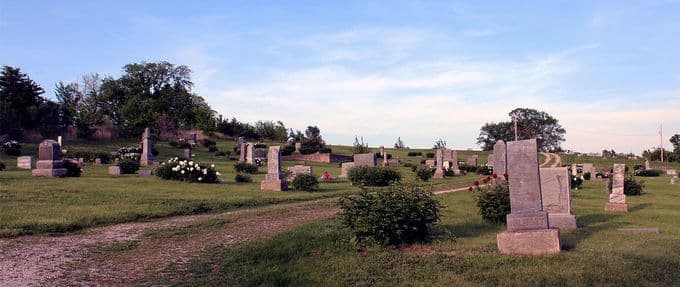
{"x":531,"y":123}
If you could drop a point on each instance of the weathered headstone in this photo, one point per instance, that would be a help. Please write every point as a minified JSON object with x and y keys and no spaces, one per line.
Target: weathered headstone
{"x":298,"y":146}
{"x":500,"y":167}
{"x":273,"y":180}
{"x":250,"y":154}
{"x":240,"y":142}
{"x":295,"y":170}
{"x":452,"y":157}
{"x":430,"y":163}
{"x":574,"y":169}
{"x":489,"y":160}
{"x":384,"y":156}
{"x":25,"y":162}
{"x":97,"y":161}
{"x":187,"y":153}
{"x":588,"y":168}
{"x":527,"y":224}
{"x":244,"y":151}
{"x":114,"y":170}
{"x":344,"y":168}
{"x":144,"y":172}
{"x":556,"y":196}
{"x":439,"y":161}
{"x":49,"y":160}
{"x":147,"y":145}
{"x":647,"y":164}
{"x":472,"y":160}
{"x":617,"y":198}
{"x":364,"y":159}
{"x":59,"y":141}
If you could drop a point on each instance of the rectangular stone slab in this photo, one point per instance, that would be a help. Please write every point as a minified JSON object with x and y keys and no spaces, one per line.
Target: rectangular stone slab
{"x":500,"y":159}
{"x":556,"y":189}
{"x":524,"y":179}
{"x":617,"y":207}
{"x":529,"y":242}
{"x":364,"y":159}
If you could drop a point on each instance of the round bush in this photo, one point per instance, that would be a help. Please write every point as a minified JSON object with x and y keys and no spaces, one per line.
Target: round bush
{"x":373,"y":176}
{"x":414,"y":153}
{"x":305,"y":182}
{"x":242,"y":178}
{"x":188,"y":171}
{"x":287,"y":150}
{"x":73,"y":168}
{"x":398,"y":215}
{"x":424,"y":172}
{"x":493,"y":202}
{"x":128,"y":165}
{"x":648,"y":172}
{"x":429,"y":155}
{"x":244,"y":167}
{"x":587,"y":176}
{"x":12,"y":148}
{"x":576,"y":182}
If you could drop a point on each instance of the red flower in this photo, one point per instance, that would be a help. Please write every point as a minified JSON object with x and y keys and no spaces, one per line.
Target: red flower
{"x":485,"y":180}
{"x":505,"y":175}
{"x":494,"y":175}
{"x":470,"y":188}
{"x":476,"y":182}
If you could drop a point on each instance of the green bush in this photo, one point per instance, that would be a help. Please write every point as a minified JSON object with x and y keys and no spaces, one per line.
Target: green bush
{"x":12,"y":148}
{"x":128,"y":165}
{"x":429,"y":155}
{"x":398,"y":215}
{"x":73,"y":168}
{"x":308,"y":149}
{"x":493,"y":201}
{"x":576,"y":181}
{"x":245,"y":167}
{"x":2,"y":166}
{"x":631,"y":186}
{"x":90,"y":156}
{"x":484,"y":170}
{"x":648,"y":172}
{"x":414,"y":153}
{"x":220,"y":153}
{"x":587,"y":176}
{"x":468,"y":168}
{"x":287,"y":150}
{"x":208,"y":142}
{"x":181,"y":144}
{"x":242,"y":178}
{"x":373,"y":176}
{"x":213,"y":148}
{"x":260,"y":145}
{"x":424,"y":172}
{"x":187,"y":171}
{"x":305,"y":182}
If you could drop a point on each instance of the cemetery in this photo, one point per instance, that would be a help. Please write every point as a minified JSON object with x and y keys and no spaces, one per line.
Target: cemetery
{"x":227,"y":144}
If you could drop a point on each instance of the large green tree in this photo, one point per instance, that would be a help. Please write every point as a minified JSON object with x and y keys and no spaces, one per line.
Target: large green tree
{"x":78,"y":104}
{"x":531,"y":123}
{"x":22,"y":107}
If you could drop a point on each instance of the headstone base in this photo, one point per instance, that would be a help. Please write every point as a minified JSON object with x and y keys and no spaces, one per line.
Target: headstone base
{"x":272,"y":185}
{"x":529,"y":242}
{"x":144,"y":173}
{"x":527,"y":221}
{"x":561,"y":221}
{"x":621,"y":207}
{"x":49,"y":172}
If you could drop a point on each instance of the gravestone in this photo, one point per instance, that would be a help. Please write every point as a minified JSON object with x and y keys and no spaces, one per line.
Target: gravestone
{"x":439,"y":172}
{"x":298,"y":169}
{"x":489,"y":160}
{"x":147,"y":145}
{"x":588,"y":168}
{"x":393,"y":161}
{"x":430,"y":163}
{"x":617,"y":199}
{"x":81,"y":160}
{"x":527,"y":224}
{"x":144,"y":173}
{"x":671,"y":172}
{"x":344,"y":168}
{"x":114,"y":170}
{"x":49,"y":160}
{"x":273,"y":180}
{"x":647,"y":164}
{"x":240,"y":142}
{"x":384,"y":155}
{"x":472,"y":160}
{"x":243,"y":150}
{"x":452,"y":157}
{"x":250,"y":154}
{"x":556,"y":196}
{"x":674,"y":179}
{"x":192,"y":139}
{"x":364,"y":159}
{"x":187,"y":153}
{"x":97,"y":161}
{"x":25,"y":162}
{"x":574,"y":169}
{"x":298,"y":146}
{"x":500,"y":159}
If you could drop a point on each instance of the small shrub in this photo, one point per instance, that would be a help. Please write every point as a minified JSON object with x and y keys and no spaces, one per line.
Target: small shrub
{"x":414,"y":153}
{"x":243,"y":178}
{"x":128,"y":165}
{"x":587,"y":176}
{"x":325,"y":150}
{"x":308,"y":149}
{"x":245,"y":167}
{"x":73,"y":168}
{"x":2,"y":166}
{"x":208,"y":142}
{"x":180,"y":143}
{"x":484,"y":170}
{"x":408,"y":164}
{"x":423,"y":161}
{"x":305,"y":182}
{"x":90,"y":156}
{"x":398,"y":215}
{"x":468,"y":168}
{"x":233,"y":158}
{"x":424,"y":172}
{"x":429,"y":155}
{"x":287,"y":150}
{"x":576,"y":181}
{"x":493,"y":201}
{"x":132,"y":152}
{"x":12,"y":148}
{"x":213,"y":148}
{"x":373,"y":176}
{"x":633,"y":187}
{"x":648,"y":172}
{"x":187,"y":171}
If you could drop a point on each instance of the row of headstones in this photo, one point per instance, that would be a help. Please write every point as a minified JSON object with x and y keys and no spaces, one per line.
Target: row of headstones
{"x":366,"y":159}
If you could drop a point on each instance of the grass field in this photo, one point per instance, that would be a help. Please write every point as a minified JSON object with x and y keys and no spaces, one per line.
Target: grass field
{"x":596,"y":253}
{"x":30,"y":205}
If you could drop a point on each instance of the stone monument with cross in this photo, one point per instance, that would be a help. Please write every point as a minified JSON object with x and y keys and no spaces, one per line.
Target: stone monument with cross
{"x":147,"y":145}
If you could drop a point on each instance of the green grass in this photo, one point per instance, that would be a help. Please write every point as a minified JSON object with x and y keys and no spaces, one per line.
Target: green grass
{"x":320,"y":254}
{"x":31,"y":205}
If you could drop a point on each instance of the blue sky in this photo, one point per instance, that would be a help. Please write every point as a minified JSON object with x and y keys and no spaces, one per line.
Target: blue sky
{"x":422,"y":70}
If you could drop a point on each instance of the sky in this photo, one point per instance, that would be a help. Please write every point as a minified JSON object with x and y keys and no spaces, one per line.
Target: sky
{"x":609,"y":71}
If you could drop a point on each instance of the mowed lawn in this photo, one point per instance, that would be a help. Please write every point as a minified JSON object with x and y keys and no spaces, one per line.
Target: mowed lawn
{"x":463,"y":252}
{"x":30,"y":205}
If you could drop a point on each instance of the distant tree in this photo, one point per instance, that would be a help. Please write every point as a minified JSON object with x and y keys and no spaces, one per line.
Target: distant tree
{"x":608,"y":153}
{"x":296,"y":135}
{"x":675,"y":140}
{"x":359,"y":146}
{"x":269,"y":130}
{"x":78,"y":104}
{"x":20,"y":102}
{"x":439,"y":144}
{"x":531,"y":123}
{"x":312,"y":141}
{"x":399,"y":144}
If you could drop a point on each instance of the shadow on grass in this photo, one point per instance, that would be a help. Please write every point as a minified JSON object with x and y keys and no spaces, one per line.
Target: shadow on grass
{"x":469,"y":229}
{"x":587,"y":226}
{"x":639,"y":207}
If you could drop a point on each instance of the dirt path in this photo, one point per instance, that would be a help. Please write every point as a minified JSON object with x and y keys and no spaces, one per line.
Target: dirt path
{"x":551,"y":160}
{"x":142,"y":249}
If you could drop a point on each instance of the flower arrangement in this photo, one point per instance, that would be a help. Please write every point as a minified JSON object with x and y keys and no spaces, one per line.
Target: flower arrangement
{"x":132,"y":153}
{"x":188,"y":171}
{"x":12,"y":147}
{"x":492,"y":198}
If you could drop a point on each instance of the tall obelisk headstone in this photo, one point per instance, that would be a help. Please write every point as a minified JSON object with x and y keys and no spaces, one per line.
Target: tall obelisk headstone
{"x":439,"y":172}
{"x":250,"y":154}
{"x":49,"y":160}
{"x":147,"y":145}
{"x":527,"y":223}
{"x":384,"y":156}
{"x":617,"y":199}
{"x":574,"y":169}
{"x":273,"y":180}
